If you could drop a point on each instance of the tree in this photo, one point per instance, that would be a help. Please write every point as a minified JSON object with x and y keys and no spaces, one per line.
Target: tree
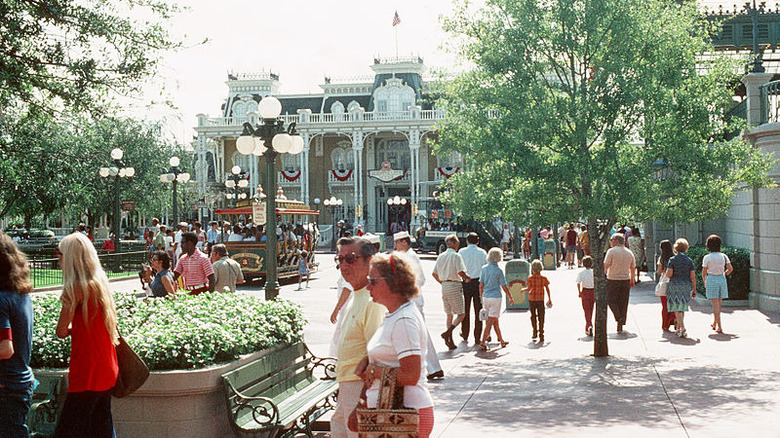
{"x":72,"y":54}
{"x":571,"y":102}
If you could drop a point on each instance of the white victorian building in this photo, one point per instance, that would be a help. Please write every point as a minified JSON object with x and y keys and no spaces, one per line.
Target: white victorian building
{"x":366,"y":141}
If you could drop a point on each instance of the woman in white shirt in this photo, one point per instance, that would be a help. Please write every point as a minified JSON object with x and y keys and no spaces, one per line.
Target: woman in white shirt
{"x":401,"y":340}
{"x":715,"y":266}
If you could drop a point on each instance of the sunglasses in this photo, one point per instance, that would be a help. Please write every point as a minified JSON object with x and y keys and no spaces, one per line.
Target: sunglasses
{"x":348,"y":259}
{"x":373,"y":280}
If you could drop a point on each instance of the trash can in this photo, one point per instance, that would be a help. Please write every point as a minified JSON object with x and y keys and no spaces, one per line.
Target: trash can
{"x":550,"y":254}
{"x":517,"y":272}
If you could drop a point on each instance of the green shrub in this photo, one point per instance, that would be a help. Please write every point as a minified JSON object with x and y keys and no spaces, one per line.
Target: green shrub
{"x":738,"y":281}
{"x":188,"y":332}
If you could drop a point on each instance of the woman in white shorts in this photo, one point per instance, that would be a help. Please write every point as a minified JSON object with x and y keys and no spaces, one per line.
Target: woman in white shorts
{"x":491,"y":281}
{"x":715,"y":266}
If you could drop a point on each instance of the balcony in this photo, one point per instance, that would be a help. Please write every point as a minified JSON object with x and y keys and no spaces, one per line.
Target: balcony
{"x":343,"y":181}
{"x":283,"y":179}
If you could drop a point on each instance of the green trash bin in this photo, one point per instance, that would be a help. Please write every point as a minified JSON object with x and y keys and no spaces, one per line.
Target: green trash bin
{"x":517,"y":272}
{"x":550,"y":254}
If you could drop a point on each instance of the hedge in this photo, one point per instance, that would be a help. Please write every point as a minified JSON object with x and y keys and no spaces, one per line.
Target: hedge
{"x":738,"y":281}
{"x":183,"y":333}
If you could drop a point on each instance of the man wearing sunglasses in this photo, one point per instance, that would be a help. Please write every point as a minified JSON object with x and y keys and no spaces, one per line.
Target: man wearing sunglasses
{"x":362,"y":318}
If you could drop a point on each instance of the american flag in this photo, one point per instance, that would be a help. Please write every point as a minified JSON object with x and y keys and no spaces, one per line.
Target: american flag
{"x":396,"y":19}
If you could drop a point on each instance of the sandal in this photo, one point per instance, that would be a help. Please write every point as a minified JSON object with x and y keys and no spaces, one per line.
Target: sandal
{"x":483,"y":347}
{"x":713,"y":326}
{"x":504,"y":343}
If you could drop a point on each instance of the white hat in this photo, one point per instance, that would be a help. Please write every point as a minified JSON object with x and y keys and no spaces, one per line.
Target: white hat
{"x":184,"y":224}
{"x":401,"y":235}
{"x":372,"y":238}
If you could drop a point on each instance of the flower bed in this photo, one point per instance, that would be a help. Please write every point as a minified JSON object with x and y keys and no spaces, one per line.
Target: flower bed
{"x":184,"y":333}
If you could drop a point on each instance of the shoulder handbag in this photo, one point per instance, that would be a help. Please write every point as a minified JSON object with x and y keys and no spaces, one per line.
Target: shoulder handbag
{"x":133,"y":372}
{"x":390,"y":418}
{"x":662,"y":285}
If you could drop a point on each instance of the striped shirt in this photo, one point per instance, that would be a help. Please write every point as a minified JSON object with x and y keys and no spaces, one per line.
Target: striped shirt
{"x":195,"y":268}
{"x":536,"y":284}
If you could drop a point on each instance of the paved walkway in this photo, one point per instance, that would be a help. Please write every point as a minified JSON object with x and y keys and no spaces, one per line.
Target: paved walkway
{"x":652,"y":384}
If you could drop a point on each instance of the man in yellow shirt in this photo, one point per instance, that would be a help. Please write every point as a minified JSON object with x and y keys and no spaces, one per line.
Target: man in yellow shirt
{"x":362,"y":318}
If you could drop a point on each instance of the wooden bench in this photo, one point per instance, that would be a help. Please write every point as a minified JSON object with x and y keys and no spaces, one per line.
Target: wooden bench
{"x":46,"y":404}
{"x":281,"y":393}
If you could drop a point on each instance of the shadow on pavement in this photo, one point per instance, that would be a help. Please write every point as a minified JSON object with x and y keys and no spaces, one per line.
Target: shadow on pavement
{"x":592,"y":392}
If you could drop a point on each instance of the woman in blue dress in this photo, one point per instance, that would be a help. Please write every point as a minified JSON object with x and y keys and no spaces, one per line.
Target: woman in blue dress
{"x":682,"y":284}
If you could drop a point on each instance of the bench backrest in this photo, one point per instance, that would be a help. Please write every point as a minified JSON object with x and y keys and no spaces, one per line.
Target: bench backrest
{"x":275,"y":375}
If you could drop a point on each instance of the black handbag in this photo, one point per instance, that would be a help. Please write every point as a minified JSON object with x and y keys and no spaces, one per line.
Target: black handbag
{"x":133,"y":372}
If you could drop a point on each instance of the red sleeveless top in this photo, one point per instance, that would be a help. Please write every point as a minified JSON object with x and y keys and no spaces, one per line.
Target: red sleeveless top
{"x":93,"y":365}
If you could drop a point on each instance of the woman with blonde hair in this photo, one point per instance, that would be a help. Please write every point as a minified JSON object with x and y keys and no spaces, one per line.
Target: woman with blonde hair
{"x":88,"y":316}
{"x":682,"y":284}
{"x":491,"y":281}
{"x":16,"y":330}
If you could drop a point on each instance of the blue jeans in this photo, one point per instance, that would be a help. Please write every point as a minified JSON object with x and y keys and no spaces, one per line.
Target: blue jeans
{"x":86,"y":414}
{"x":14,"y":405}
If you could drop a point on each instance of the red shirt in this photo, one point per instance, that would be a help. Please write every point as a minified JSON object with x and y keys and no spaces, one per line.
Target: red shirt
{"x":93,"y":365}
{"x":195,"y":268}
{"x":536,"y":284}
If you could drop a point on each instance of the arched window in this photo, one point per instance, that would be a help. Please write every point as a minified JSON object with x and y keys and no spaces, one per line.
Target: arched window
{"x":240,"y":160}
{"x":291,"y":163}
{"x":239,"y":109}
{"x":394,"y":151}
{"x":251,"y":107}
{"x":341,"y":159}
{"x":451,"y":159}
{"x":394,"y":96}
{"x":337,"y":109}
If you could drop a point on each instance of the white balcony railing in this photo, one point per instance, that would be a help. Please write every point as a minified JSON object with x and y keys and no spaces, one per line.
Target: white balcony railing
{"x":333,"y":181}
{"x":330,"y":118}
{"x":282,"y":181}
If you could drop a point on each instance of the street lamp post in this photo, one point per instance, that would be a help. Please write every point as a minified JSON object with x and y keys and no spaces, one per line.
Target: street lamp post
{"x":333,"y":202}
{"x":270,"y":139}
{"x":175,"y":176}
{"x":395,"y":204}
{"x":235,"y":183}
{"x":118,"y":170}
{"x":758,"y":63}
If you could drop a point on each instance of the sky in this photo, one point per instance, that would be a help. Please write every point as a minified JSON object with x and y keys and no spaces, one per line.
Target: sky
{"x":301,"y":40}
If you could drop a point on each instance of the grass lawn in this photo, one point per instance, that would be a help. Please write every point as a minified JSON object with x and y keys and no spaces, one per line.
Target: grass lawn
{"x":53,"y":277}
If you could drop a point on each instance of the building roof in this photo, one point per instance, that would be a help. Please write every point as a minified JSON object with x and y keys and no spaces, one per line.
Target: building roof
{"x":362,"y":99}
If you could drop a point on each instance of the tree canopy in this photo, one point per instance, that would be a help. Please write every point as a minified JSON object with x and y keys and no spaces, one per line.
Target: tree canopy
{"x":573,"y":107}
{"x":73,"y":54}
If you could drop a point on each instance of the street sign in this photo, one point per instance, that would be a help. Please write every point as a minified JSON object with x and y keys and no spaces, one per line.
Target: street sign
{"x":258,"y":213}
{"x":128,"y":205}
{"x":358,"y":211}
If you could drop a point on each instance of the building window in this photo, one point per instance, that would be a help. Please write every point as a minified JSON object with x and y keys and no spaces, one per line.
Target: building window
{"x":239,"y":109}
{"x":394,"y":151}
{"x":341,"y":159}
{"x":337,"y":109}
{"x":451,"y":159}
{"x":291,"y":163}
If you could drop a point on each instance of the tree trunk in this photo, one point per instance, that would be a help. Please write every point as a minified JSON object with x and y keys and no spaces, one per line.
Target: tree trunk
{"x":599,"y":243}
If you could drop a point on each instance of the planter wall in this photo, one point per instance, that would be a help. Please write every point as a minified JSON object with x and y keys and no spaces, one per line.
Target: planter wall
{"x":179,"y":403}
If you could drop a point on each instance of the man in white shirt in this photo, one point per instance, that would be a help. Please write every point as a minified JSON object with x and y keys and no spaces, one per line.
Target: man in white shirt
{"x":183,"y":227}
{"x":474,"y":258}
{"x":448,"y":271}
{"x":403,"y":244}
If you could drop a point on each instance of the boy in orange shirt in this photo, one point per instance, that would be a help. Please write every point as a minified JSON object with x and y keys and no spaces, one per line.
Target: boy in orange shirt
{"x":536,"y":287}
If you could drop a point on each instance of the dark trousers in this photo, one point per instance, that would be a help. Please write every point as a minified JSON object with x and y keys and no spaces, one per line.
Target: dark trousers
{"x":537,"y":316}
{"x":86,"y":414}
{"x":617,"y":298}
{"x":471,"y":293}
{"x":14,"y":405}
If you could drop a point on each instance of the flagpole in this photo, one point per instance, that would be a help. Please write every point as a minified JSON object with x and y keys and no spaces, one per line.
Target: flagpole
{"x":396,"y":42}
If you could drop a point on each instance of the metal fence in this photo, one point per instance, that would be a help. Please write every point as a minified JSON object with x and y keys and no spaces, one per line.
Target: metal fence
{"x":46,"y":272}
{"x":770,"y":103}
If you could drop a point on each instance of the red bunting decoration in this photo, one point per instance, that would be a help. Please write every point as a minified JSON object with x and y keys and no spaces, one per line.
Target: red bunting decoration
{"x":448,"y":171}
{"x":291,"y":175}
{"x":341,"y":174}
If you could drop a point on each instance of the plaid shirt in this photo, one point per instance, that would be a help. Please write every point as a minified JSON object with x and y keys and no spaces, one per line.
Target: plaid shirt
{"x":536,"y":284}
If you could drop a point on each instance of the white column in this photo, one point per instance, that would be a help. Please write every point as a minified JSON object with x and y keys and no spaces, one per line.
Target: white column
{"x":414,"y":149}
{"x":305,"y":196}
{"x":357,"y":151}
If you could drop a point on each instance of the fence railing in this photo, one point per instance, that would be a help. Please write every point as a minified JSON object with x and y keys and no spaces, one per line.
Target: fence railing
{"x":46,"y":272}
{"x":770,"y":103}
